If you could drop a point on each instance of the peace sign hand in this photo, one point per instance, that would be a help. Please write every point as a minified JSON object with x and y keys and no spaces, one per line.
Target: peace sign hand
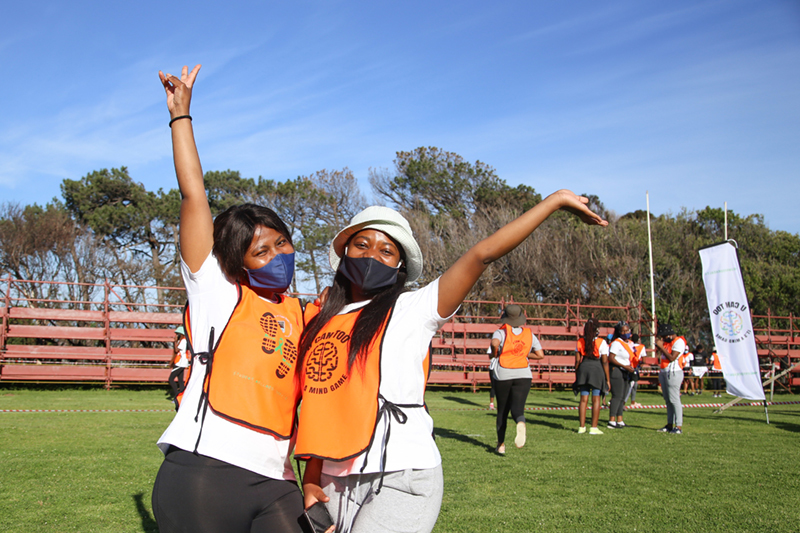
{"x":179,"y":91}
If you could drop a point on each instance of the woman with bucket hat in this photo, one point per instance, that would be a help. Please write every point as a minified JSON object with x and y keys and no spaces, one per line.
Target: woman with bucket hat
{"x":513,"y":345}
{"x":364,"y":358}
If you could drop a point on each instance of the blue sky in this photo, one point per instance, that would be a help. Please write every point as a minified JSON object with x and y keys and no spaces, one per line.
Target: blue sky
{"x":697,"y":102}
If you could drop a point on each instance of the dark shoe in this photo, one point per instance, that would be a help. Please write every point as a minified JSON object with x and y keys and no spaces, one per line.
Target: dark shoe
{"x":676,"y":431}
{"x":665,"y":429}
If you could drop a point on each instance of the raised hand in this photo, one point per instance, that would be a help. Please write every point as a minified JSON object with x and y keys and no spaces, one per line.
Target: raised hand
{"x":179,"y":90}
{"x":579,"y":206}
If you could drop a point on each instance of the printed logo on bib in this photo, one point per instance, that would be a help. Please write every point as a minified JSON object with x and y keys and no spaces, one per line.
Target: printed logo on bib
{"x":517,"y":346}
{"x":324,"y":366}
{"x":275,"y":342}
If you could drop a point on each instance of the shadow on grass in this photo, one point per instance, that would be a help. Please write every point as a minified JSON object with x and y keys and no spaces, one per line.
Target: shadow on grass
{"x":148,"y":523}
{"x":568,"y":420}
{"x":449,"y":434}
{"x":786,"y":426}
{"x":463,"y":401}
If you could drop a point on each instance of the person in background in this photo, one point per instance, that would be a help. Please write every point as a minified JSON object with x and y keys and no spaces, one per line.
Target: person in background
{"x":670,"y":348}
{"x":620,"y":354}
{"x":636,"y":363}
{"x":512,"y":346}
{"x":180,"y":362}
{"x":688,"y":382}
{"x":591,"y":374}
{"x":492,"y":366}
{"x":717,"y":381}
{"x":699,"y":368}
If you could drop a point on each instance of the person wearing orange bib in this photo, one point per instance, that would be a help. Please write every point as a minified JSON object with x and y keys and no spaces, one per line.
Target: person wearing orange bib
{"x":670,"y":348}
{"x":180,"y":362}
{"x":363,"y":426}
{"x":620,"y":354}
{"x":591,"y":374}
{"x":512,"y":346}
{"x":636,"y":363}
{"x":226,"y":465}
{"x":717,"y":382}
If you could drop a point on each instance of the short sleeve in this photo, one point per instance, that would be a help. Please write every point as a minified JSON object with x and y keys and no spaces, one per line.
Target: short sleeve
{"x":536,"y":345}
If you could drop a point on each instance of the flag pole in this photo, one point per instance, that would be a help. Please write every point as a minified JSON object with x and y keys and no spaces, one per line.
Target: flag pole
{"x":652,"y":283}
{"x":726,"y":221}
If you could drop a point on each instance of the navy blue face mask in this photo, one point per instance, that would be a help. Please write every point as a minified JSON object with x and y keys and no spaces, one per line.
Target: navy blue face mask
{"x":276,"y":275}
{"x":625,"y":336}
{"x":367,"y":273}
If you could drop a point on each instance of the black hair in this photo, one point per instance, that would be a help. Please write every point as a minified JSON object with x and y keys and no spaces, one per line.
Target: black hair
{"x":635,"y":338}
{"x":368,"y":324}
{"x":699,"y":348}
{"x":233,"y":233}
{"x":618,"y":329}
{"x":589,"y":334}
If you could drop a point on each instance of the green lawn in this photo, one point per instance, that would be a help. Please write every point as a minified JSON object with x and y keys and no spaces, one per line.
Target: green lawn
{"x":730,"y":472}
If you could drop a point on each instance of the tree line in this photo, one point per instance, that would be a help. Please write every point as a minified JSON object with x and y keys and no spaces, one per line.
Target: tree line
{"x":108,"y":226}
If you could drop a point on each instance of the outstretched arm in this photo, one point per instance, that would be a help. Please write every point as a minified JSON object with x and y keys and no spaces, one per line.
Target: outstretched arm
{"x":458,"y":280}
{"x":197,"y":227}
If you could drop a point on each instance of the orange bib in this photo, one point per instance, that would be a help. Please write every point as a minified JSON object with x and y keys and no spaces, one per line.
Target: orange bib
{"x":638,"y":353}
{"x":251,"y":376}
{"x":340,"y":407}
{"x":631,"y":354}
{"x":516,"y":348}
{"x":582,"y":348}
{"x":663,"y":361}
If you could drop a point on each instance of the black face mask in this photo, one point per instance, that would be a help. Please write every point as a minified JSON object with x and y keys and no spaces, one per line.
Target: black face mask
{"x":367,"y":273}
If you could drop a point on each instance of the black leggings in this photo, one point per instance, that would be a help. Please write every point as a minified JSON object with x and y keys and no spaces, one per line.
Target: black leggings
{"x":618,"y":389}
{"x":511,"y":396}
{"x":194,"y":493}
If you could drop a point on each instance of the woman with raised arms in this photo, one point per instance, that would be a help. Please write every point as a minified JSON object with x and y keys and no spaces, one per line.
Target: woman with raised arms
{"x":363,"y":367}
{"x":226,"y":466}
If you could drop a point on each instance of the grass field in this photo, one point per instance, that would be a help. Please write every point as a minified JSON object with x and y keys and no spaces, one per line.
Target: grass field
{"x":93,"y":471}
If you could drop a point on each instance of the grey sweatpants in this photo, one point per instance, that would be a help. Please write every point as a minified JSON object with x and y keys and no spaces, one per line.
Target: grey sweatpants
{"x":409,"y":501}
{"x":671,"y":391}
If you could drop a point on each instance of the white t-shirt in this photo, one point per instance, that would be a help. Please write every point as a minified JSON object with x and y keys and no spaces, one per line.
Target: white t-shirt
{"x":678,"y":346}
{"x":183,"y":357}
{"x":414,"y":322}
{"x":504,"y":374}
{"x":212,"y":299}
{"x":620,"y":353}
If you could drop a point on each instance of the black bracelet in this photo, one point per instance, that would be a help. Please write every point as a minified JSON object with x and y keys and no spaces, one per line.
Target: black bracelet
{"x":178,"y":118}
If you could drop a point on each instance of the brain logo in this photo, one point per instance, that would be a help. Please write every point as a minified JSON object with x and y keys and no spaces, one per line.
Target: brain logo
{"x":289,"y":357}
{"x":731,"y":323}
{"x":322,"y":362}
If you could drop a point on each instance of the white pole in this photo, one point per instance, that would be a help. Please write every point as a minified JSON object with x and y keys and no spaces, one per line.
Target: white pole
{"x":726,"y":221}
{"x":652,"y":282}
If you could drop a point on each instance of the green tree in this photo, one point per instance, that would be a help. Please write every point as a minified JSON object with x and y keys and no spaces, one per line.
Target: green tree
{"x":127,"y":217}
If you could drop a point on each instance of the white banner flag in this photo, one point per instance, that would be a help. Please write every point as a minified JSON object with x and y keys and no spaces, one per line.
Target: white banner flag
{"x":730,"y":321}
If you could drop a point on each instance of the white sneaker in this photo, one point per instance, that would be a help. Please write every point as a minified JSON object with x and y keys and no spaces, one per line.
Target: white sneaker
{"x":595,"y":431}
{"x":582,"y":429}
{"x":519,"y":441}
